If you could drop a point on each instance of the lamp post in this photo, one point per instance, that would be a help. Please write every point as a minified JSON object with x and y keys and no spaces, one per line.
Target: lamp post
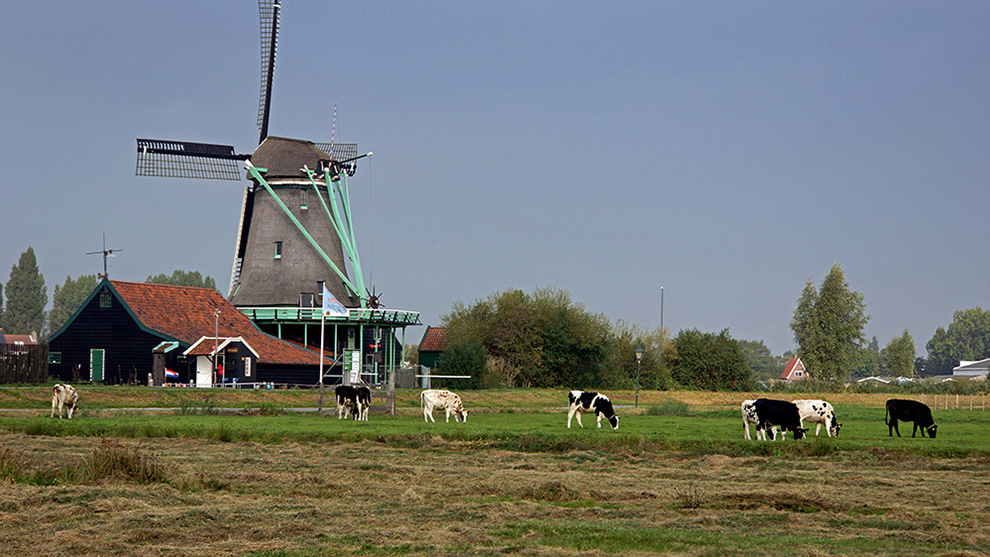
{"x":216,"y":341}
{"x":639,"y":365}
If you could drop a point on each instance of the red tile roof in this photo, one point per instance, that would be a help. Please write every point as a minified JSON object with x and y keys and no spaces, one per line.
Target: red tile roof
{"x":187,"y":314}
{"x":434,"y":340}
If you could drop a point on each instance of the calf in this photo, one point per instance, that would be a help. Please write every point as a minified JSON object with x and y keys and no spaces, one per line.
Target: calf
{"x":64,"y":396}
{"x":353,"y":400}
{"x":779,"y":413}
{"x":821,"y":413}
{"x":909,"y":411}
{"x":438,"y":398}
{"x":588,"y":401}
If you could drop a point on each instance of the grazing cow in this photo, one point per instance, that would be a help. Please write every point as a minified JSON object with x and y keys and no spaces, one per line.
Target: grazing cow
{"x":588,"y":401}
{"x":439,"y":398}
{"x":64,"y":396}
{"x":909,"y":411}
{"x":749,"y":417}
{"x":353,"y":400}
{"x":821,"y":413}
{"x":779,"y":413}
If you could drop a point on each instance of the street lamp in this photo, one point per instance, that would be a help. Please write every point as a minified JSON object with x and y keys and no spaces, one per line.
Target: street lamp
{"x":639,"y":365}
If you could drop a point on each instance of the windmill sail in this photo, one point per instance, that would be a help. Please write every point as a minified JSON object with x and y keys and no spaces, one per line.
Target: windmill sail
{"x":269,"y":11}
{"x":183,"y":159}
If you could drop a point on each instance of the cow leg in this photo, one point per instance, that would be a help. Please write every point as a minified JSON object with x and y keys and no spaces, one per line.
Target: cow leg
{"x":818,"y":427}
{"x":72,"y":408}
{"x":570,"y":416}
{"x":599,"y":417}
{"x":915,"y":430}
{"x":893,"y":427}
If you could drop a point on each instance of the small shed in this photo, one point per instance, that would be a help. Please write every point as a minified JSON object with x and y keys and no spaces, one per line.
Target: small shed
{"x":432,"y":346}
{"x":236,"y":363}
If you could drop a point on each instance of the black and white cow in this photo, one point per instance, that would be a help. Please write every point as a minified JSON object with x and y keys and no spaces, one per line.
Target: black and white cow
{"x":821,"y":413}
{"x":909,"y":411}
{"x":749,"y":416}
{"x":588,"y":401}
{"x":780,"y":413}
{"x":353,"y":400}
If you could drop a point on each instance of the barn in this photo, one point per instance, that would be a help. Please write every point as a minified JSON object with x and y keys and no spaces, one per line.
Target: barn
{"x":126,"y":332}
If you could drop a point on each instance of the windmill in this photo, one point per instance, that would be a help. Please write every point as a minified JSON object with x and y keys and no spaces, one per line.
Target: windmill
{"x":295,"y":227}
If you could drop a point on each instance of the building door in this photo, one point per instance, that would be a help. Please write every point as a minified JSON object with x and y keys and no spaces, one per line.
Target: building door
{"x":96,"y":365}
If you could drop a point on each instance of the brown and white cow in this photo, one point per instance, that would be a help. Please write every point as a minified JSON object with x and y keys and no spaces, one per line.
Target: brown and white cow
{"x":438,"y":398}
{"x":64,"y":396}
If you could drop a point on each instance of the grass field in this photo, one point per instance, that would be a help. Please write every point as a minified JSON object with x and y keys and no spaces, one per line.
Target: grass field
{"x":262,"y":480}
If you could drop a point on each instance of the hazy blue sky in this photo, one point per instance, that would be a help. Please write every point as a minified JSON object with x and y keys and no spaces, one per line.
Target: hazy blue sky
{"x":728,"y":151}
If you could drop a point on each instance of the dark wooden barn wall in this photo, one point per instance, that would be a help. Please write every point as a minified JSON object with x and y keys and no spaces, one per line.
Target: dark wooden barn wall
{"x":128,"y":348}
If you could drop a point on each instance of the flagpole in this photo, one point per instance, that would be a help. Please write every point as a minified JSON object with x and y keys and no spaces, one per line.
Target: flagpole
{"x":323,"y":318}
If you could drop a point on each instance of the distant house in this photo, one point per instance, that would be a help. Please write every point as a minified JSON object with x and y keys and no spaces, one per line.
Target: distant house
{"x":432,"y":346}
{"x":794,"y":370}
{"x":125,"y":331}
{"x":16,"y":344}
{"x":972,"y":369}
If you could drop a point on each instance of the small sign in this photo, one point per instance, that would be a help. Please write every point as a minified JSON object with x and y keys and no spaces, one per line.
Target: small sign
{"x":352,"y":365}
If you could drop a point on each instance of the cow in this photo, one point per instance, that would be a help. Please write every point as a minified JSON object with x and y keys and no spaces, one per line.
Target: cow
{"x":821,"y":413}
{"x":439,"y":398}
{"x":353,"y":400}
{"x":589,"y":401}
{"x":64,"y":396}
{"x":909,"y":411}
{"x":779,"y":413}
{"x":749,"y":416}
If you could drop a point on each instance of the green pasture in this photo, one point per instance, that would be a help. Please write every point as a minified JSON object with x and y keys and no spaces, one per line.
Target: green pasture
{"x":961,"y":432}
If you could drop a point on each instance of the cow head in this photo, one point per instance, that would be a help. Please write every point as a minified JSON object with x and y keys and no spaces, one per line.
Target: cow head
{"x":834,"y":430}
{"x":932,"y":430}
{"x":614,"y":422}
{"x":463,"y":415}
{"x":799,"y":432}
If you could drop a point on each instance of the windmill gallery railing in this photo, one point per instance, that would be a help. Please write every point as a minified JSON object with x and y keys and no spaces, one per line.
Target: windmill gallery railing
{"x":357,"y":315}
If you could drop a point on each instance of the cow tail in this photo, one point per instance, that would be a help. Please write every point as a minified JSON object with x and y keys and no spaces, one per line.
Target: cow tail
{"x":886,"y":413}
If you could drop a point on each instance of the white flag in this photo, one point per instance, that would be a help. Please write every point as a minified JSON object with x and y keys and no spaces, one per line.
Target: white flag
{"x":331,"y":307}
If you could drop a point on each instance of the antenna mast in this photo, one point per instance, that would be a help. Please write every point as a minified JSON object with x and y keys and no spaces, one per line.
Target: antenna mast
{"x":106,"y":253}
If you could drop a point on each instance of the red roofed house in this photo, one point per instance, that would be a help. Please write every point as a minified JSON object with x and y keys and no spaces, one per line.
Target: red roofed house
{"x":432,"y":346}
{"x":126,"y":330}
{"x":794,"y":370}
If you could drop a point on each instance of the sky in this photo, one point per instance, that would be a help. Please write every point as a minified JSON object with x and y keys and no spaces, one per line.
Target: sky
{"x":727,"y":152}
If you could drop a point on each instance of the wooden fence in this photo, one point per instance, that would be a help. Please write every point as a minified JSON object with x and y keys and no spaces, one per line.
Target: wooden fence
{"x":955,"y":402}
{"x":23,"y":363}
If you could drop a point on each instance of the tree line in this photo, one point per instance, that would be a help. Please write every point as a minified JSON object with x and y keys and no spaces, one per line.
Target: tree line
{"x":545,"y":339}
{"x":24,"y":297}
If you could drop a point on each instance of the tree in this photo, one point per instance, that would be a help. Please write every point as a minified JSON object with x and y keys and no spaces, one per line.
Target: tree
{"x":967,"y":338}
{"x":897,"y":358}
{"x":183,"y":278}
{"x":542,"y":339}
{"x":26,"y":298}
{"x":464,"y":357}
{"x":67,"y":298}
{"x":762,"y":363}
{"x":828,"y":327}
{"x":708,"y":361}
{"x":868,"y":364}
